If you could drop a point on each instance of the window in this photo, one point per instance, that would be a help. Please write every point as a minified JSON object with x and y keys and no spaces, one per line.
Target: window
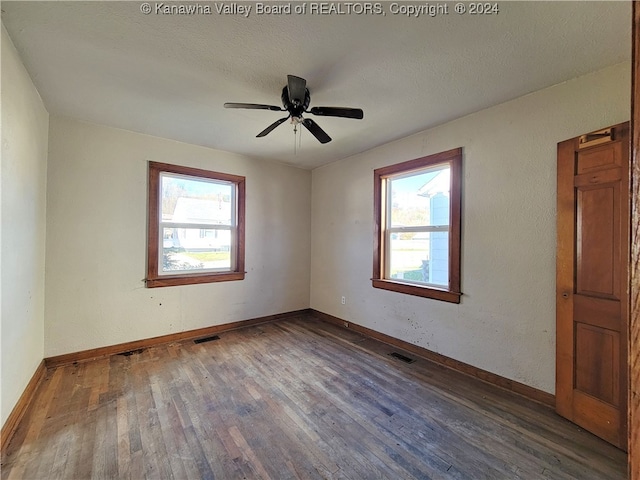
{"x":417,"y":214}
{"x":196,"y":226}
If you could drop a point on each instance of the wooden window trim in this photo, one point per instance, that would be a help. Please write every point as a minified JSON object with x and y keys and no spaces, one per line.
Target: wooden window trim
{"x":452,"y":293}
{"x":153,"y":278}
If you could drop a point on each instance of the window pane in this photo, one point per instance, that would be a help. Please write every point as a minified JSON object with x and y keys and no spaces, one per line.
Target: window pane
{"x":195,"y":249}
{"x":187,"y":200}
{"x":420,"y":199}
{"x":421,"y":257}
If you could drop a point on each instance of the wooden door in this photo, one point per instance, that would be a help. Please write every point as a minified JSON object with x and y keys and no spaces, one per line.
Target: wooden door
{"x":591,"y":282}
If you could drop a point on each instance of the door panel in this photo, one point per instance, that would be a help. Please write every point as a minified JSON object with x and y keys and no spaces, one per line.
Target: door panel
{"x":599,"y":418}
{"x":591,"y":297}
{"x":597,"y":371}
{"x":598,"y":252}
{"x":593,"y":160}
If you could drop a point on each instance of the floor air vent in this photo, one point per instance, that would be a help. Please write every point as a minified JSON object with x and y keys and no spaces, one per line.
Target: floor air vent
{"x":207,"y":339}
{"x":404,"y":358}
{"x":132,"y":352}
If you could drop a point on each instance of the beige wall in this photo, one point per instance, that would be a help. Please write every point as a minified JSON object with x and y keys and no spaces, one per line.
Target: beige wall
{"x":506,"y":321}
{"x":96,"y":240}
{"x":22,"y":238}
{"x":309,"y":234}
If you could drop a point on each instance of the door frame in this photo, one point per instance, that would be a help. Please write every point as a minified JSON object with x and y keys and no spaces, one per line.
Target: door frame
{"x":634,"y":266}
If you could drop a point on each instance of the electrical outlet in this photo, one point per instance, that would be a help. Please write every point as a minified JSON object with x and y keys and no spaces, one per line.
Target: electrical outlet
{"x":344,"y":300}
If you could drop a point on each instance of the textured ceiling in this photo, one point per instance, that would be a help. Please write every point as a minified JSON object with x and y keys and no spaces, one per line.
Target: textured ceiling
{"x":169,"y":75}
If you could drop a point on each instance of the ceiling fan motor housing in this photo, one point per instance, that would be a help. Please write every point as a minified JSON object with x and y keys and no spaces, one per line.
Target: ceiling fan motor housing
{"x":295,"y":100}
{"x":295,"y":108}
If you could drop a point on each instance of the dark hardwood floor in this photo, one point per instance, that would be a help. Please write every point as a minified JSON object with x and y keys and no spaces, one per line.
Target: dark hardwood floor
{"x":298,"y":398}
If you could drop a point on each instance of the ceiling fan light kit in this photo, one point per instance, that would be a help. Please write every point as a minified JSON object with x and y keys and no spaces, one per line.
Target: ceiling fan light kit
{"x":296,"y":100}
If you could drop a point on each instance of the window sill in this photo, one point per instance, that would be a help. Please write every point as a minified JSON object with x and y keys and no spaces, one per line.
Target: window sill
{"x":419,"y":291}
{"x":192,"y":279}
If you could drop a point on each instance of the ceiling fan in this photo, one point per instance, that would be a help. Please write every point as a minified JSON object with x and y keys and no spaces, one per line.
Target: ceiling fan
{"x":295,"y":100}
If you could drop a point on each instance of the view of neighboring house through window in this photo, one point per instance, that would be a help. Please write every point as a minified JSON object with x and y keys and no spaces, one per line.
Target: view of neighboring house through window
{"x":195,"y":226}
{"x":196,"y":222}
{"x":418,"y":224}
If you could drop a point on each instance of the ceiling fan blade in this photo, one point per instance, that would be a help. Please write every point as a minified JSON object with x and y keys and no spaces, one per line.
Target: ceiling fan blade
{"x":297,"y":89}
{"x":253,"y":106}
{"x":317,"y":132}
{"x":356,"y":113}
{"x":271,"y":127}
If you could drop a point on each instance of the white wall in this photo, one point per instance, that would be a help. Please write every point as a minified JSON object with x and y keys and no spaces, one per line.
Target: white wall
{"x":506,"y":321}
{"x":22,"y":239}
{"x":96,"y":240}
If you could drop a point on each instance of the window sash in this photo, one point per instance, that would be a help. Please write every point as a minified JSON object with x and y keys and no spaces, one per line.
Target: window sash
{"x":198,"y":179}
{"x":232,"y":251}
{"x":387,"y":252}
{"x":196,"y":225}
{"x":426,"y":228}
{"x":389,"y":230}
{"x":202,"y":226}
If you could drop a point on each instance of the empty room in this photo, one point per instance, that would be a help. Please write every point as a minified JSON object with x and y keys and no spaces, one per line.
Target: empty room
{"x":296,"y":239}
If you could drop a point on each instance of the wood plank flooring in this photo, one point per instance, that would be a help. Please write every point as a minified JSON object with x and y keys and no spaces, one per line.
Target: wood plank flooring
{"x":298,"y":398}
